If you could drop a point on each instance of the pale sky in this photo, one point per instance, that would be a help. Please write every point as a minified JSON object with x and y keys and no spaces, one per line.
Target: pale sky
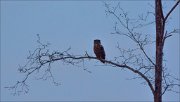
{"x":76,"y":24}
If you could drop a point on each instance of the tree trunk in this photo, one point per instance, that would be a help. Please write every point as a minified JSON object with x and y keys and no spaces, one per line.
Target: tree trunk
{"x":159,"y":51}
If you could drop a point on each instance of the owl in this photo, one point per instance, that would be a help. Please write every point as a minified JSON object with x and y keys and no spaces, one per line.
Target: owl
{"x":99,"y":50}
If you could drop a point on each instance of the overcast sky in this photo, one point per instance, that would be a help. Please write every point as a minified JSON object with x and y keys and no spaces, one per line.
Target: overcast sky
{"x":76,"y":24}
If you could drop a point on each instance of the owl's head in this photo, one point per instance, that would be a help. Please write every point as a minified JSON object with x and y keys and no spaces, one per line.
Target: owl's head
{"x":97,"y":41}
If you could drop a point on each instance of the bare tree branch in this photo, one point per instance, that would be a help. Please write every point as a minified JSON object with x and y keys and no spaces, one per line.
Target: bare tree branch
{"x":141,"y":41}
{"x":176,"y":4}
{"x":136,"y":37}
{"x":140,"y":64}
{"x":42,"y":57}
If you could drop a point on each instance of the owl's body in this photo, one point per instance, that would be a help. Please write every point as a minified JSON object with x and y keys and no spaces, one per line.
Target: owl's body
{"x":99,"y":50}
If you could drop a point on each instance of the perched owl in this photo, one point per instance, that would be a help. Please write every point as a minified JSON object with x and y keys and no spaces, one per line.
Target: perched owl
{"x":99,"y":50}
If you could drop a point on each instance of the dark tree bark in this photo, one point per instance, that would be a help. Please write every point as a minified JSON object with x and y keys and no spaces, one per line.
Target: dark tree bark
{"x":160,"y":38}
{"x":159,"y":50}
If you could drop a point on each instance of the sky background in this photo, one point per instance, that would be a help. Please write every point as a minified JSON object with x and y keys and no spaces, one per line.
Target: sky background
{"x":76,"y":24}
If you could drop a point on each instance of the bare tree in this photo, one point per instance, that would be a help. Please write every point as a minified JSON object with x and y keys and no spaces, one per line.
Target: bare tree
{"x":134,"y":59}
{"x":161,"y":36}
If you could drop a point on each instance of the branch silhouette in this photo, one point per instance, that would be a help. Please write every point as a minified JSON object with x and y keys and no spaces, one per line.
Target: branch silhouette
{"x":142,"y":65}
{"x":42,"y":57}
